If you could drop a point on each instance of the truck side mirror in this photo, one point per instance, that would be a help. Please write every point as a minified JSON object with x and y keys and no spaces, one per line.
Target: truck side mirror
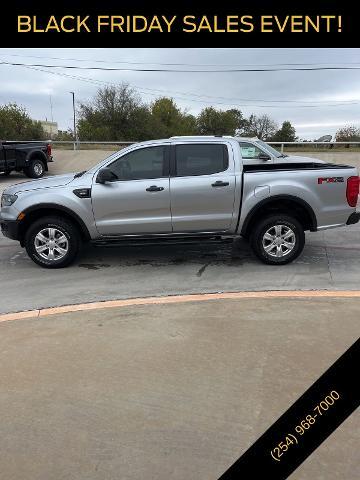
{"x":105,"y":175}
{"x":264,"y":156}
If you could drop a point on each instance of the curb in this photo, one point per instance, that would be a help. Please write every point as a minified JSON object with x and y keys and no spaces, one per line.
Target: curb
{"x":45,"y":312}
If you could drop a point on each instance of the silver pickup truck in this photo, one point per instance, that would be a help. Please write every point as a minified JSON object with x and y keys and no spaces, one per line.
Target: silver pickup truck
{"x":183,"y":188}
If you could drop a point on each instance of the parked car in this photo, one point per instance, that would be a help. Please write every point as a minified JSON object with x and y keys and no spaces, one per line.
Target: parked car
{"x":179,"y":189}
{"x":32,"y":158}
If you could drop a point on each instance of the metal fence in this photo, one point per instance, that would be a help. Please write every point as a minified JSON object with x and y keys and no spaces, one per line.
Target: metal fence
{"x":316,"y":144}
{"x":330,"y":145}
{"x":77,"y":145}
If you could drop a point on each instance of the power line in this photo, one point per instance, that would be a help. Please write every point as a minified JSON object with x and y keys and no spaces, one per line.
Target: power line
{"x":201,"y":100}
{"x":167,"y":70}
{"x":181,"y":64}
{"x":320,"y":102}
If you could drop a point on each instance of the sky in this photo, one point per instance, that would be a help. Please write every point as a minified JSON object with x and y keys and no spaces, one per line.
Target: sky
{"x":316,"y":102}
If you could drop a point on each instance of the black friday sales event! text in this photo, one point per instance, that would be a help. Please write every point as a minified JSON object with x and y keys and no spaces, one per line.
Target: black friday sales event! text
{"x":188,"y":23}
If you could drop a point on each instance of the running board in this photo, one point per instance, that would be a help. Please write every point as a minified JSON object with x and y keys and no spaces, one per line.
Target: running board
{"x":165,"y":240}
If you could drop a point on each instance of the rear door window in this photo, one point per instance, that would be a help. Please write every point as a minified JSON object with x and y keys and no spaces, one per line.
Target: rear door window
{"x":200,"y":159}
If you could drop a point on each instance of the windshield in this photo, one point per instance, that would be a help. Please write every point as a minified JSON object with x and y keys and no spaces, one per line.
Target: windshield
{"x":271,"y":150}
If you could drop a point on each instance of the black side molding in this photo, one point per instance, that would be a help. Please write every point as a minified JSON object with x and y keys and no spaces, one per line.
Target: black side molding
{"x":354,"y":218}
{"x":293,"y":166}
{"x":82,"y":192}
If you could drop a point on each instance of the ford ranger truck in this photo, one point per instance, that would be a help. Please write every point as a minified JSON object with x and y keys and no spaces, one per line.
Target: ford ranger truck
{"x":181,"y":189}
{"x":32,"y":158}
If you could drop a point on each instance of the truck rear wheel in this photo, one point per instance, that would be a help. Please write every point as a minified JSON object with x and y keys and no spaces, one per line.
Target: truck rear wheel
{"x":52,"y":242}
{"x":35,"y":169}
{"x":277,"y":239}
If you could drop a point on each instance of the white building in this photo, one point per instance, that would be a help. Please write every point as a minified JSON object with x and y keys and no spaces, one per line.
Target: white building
{"x":51,"y":128}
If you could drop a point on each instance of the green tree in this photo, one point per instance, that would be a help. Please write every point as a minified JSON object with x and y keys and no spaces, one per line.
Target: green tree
{"x":349,"y":133}
{"x":286,"y":133}
{"x":168,"y":120}
{"x":219,"y":122}
{"x":15,"y":124}
{"x":65,"y":135}
{"x":116,"y":113}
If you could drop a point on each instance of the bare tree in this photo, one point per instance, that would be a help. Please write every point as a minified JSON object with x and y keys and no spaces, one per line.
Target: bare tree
{"x":261,"y":126}
{"x":348,"y":133}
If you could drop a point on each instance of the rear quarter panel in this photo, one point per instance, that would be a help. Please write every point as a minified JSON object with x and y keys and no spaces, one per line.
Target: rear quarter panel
{"x":327,"y":200}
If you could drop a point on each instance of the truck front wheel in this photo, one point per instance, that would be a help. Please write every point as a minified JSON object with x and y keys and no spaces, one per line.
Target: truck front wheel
{"x":277,"y":239}
{"x":35,"y":169}
{"x":52,"y":242}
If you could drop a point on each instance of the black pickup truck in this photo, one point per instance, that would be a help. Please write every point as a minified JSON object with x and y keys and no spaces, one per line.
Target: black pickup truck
{"x":32,"y":158}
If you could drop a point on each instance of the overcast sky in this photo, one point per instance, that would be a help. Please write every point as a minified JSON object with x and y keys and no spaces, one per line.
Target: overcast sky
{"x":318,"y":102}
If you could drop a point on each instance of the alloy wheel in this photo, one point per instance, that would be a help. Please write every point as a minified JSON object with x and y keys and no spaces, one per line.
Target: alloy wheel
{"x":279,"y":240}
{"x":51,"y":244}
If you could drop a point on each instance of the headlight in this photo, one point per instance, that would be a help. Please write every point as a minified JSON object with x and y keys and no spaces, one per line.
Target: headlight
{"x":8,"y":200}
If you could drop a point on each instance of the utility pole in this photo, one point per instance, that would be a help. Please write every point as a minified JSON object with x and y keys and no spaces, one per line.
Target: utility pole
{"x":51,"y":110}
{"x":52,"y":118}
{"x":74,"y":114}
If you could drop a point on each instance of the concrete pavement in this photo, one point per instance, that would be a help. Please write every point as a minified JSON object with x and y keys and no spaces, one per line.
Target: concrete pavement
{"x":330,"y":260}
{"x":159,"y":392}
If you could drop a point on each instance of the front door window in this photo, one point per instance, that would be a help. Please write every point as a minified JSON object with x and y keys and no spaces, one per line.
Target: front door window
{"x":141,"y":164}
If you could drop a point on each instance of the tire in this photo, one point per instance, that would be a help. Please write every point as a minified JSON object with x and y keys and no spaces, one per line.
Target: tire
{"x":36,"y":168}
{"x":47,"y":232}
{"x":278,"y":239}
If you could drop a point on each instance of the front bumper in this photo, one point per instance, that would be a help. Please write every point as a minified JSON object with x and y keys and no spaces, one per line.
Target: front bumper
{"x":10,"y":229}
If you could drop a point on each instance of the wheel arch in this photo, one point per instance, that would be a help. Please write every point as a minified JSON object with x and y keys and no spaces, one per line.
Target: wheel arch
{"x":289,"y":204}
{"x":39,"y":154}
{"x":44,"y":209}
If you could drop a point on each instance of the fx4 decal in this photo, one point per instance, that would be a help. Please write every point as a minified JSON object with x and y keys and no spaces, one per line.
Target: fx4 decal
{"x":322,"y":180}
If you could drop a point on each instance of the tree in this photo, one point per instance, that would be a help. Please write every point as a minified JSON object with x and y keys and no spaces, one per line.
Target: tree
{"x":286,"y":133}
{"x":261,"y":126}
{"x":219,"y":122}
{"x":65,"y":135}
{"x":15,"y":124}
{"x":168,"y":120}
{"x":349,"y":133}
{"x":116,"y":113}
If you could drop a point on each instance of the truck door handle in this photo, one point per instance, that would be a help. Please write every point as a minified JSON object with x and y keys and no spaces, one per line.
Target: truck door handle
{"x":154,"y":188}
{"x":219,"y":183}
